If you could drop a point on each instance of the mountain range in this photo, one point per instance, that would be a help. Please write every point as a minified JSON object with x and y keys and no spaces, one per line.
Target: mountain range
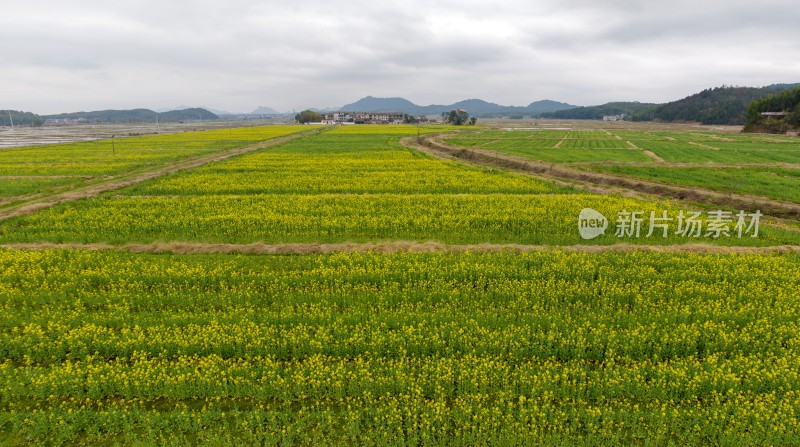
{"x":262,"y":110}
{"x":719,"y":105}
{"x":136,"y":116}
{"x":476,"y":107}
{"x":179,"y":108}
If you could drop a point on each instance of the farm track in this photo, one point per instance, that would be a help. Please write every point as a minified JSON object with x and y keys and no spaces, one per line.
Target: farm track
{"x":775,"y":208}
{"x":648,"y":154}
{"x":672,"y":164}
{"x":391,"y":247}
{"x":43,"y":200}
{"x":652,"y":155}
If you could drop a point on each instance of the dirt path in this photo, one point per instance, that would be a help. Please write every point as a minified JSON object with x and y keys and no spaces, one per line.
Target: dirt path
{"x":767,"y":206}
{"x":37,"y":202}
{"x":727,"y":140}
{"x":42,"y":177}
{"x":561,"y":141}
{"x":648,"y":154}
{"x":652,"y":155}
{"x":395,"y":247}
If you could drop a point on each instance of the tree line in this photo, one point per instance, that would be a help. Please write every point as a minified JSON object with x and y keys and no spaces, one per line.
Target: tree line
{"x":28,"y":119}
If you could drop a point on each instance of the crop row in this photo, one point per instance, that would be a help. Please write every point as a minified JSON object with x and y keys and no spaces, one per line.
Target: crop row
{"x":326,"y":218}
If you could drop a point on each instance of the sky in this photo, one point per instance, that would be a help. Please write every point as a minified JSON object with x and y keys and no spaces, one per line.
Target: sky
{"x":235,"y":55}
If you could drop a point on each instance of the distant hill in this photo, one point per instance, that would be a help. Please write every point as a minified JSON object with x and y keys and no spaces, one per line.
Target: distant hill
{"x":598,"y":112}
{"x":261,"y":110}
{"x":214,"y":111}
{"x":476,"y":107}
{"x":20,"y":118}
{"x":371,"y":104}
{"x":187,"y":115}
{"x":538,"y":107}
{"x":136,"y":116}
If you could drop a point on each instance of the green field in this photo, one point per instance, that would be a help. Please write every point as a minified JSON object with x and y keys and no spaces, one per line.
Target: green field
{"x":773,"y":183}
{"x":757,"y":165}
{"x":679,"y":147}
{"x":146,"y":336}
{"x":545,"y":150}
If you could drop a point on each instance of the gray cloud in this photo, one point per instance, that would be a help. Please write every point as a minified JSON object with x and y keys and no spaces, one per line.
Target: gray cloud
{"x":235,"y":55}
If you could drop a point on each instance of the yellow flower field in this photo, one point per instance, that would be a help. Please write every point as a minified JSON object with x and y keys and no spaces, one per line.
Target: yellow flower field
{"x":466,"y":347}
{"x":458,"y":349}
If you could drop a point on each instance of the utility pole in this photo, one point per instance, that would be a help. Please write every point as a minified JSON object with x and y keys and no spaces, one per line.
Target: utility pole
{"x":16,"y":140}
{"x":158,"y":131}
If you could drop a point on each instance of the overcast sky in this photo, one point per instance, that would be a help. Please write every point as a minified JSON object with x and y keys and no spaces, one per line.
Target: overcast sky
{"x":234,"y":55}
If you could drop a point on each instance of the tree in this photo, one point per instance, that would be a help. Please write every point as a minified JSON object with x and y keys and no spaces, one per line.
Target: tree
{"x":308,"y":116}
{"x":409,"y":119}
{"x":787,"y":101}
{"x":472,"y":120}
{"x":456,"y":117}
{"x":794,"y":118}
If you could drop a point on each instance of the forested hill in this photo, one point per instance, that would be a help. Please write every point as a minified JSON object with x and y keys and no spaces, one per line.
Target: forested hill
{"x":721,"y":105}
{"x":136,"y":116}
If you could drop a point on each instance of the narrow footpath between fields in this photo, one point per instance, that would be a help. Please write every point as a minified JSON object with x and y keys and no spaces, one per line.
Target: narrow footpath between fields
{"x":392,"y":247}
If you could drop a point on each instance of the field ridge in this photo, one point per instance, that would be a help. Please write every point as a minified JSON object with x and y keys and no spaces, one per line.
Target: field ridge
{"x":393,"y":247}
